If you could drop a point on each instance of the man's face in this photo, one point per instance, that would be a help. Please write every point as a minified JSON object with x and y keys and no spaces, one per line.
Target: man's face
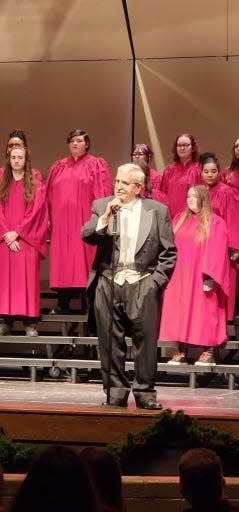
{"x":125,"y":187}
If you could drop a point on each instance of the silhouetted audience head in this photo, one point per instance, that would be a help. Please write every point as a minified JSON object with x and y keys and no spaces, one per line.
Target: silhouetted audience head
{"x":201,"y":478}
{"x":1,"y":487}
{"x":104,"y":472}
{"x":56,"y":482}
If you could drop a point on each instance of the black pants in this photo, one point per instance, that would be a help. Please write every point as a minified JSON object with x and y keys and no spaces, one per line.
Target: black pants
{"x":135,"y":313}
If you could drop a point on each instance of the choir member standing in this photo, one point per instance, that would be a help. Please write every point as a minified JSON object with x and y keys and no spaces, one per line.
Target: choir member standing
{"x":145,"y":153}
{"x":230,"y":175}
{"x":73,"y":184}
{"x":23,"y":225}
{"x":141,"y":156}
{"x":180,"y":175}
{"x":225,"y":203}
{"x":16,"y":139}
{"x":194,"y":304}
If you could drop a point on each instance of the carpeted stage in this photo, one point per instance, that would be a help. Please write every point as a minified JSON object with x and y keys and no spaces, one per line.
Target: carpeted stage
{"x":65,"y":412}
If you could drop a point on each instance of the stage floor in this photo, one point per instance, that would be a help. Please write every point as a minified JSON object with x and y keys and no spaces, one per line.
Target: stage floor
{"x":199,"y":401}
{"x":59,"y":411}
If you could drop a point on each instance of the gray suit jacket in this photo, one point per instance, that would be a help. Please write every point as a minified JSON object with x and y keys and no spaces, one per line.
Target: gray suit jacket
{"x":155,"y":249}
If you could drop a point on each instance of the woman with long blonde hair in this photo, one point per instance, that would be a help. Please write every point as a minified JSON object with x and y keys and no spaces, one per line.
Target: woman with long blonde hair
{"x":194,"y":304}
{"x":23,"y":228}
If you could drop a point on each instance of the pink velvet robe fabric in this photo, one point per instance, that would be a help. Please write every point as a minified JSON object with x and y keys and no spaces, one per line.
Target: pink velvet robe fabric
{"x":176,"y":180}
{"x":20,"y":271}
{"x":225,"y":203}
{"x":189,"y":314}
{"x":72,"y":186}
{"x":230,"y":178}
{"x":156,"y":193}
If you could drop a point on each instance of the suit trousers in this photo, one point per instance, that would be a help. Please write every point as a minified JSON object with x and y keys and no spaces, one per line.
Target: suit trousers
{"x":136,"y":314}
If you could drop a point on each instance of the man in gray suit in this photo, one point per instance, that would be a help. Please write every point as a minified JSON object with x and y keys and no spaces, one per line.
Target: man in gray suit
{"x":144,"y":259}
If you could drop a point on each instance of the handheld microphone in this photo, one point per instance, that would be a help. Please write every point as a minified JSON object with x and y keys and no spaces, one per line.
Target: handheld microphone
{"x":115,"y":209}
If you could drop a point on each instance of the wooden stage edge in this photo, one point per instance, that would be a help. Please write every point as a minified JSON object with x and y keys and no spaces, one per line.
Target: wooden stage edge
{"x":98,"y":425}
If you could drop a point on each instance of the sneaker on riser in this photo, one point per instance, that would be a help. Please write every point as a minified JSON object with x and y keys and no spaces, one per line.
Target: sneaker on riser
{"x":178,"y":359}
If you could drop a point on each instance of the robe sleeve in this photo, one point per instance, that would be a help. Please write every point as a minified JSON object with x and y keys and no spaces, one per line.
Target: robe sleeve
{"x":3,"y":223}
{"x":231,"y":217}
{"x":49,"y":182}
{"x":33,"y":228}
{"x":102,"y":178}
{"x":165,"y":180}
{"x":215,"y":261}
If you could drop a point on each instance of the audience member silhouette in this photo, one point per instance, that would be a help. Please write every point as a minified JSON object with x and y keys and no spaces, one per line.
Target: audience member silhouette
{"x":202,"y":482}
{"x":56,"y":482}
{"x":105,"y":475}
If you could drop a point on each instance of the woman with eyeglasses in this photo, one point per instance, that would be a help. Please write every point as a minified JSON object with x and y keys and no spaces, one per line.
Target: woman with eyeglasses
{"x":73,"y":184}
{"x":182,"y":173}
{"x":225,"y":203}
{"x":142,"y":155}
{"x":23,"y":227}
{"x":18,"y":139}
{"x":194,"y":303}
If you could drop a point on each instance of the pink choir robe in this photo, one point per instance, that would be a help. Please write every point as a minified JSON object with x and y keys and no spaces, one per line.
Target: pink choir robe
{"x":20,"y":271}
{"x":36,"y":173}
{"x":72,"y":186}
{"x":189,"y":314}
{"x":156,"y":193}
{"x":231,"y":178}
{"x":176,"y":180}
{"x":225,"y":203}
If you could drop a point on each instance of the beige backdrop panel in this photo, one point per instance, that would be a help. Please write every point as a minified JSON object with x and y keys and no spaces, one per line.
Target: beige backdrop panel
{"x":199,"y":96}
{"x":50,"y":99}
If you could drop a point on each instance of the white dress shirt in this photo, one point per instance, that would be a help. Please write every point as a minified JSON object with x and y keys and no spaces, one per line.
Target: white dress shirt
{"x":129,"y":218}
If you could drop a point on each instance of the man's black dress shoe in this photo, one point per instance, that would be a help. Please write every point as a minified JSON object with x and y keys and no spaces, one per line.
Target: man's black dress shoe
{"x":115,"y":403}
{"x":151,"y":405}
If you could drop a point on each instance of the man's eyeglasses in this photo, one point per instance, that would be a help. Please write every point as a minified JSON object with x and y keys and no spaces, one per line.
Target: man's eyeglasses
{"x":124,"y":183}
{"x":138,"y":154}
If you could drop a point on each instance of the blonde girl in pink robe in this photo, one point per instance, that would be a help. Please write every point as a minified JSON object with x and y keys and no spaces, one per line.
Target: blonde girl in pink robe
{"x":194,"y":303}
{"x":23,"y":228}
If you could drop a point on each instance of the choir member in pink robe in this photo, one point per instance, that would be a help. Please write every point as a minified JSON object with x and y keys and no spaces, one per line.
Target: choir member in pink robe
{"x":72,"y":185}
{"x":194,"y":303}
{"x":145,"y":153}
{"x":149,"y":190}
{"x":16,"y":139}
{"x":23,"y":228}
{"x":225,"y":203}
{"x":180,"y":175}
{"x":230,"y":175}
{"x":142,"y":155}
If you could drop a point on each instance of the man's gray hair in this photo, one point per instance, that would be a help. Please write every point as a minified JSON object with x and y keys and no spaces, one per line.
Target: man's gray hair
{"x":135,"y":170}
